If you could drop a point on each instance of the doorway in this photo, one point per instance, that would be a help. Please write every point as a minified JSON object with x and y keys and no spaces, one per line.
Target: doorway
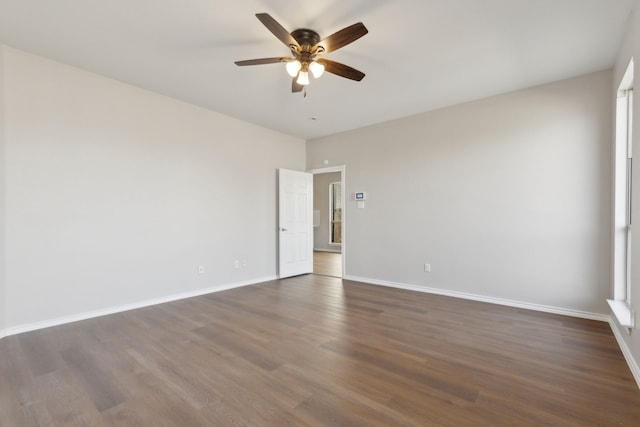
{"x":328,"y":221}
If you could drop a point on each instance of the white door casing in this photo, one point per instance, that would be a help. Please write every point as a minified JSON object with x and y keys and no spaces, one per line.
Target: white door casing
{"x":295,"y":223}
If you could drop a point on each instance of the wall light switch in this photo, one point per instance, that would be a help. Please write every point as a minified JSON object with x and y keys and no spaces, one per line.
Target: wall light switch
{"x":427,"y":268}
{"x":236,"y":263}
{"x":200,"y":269}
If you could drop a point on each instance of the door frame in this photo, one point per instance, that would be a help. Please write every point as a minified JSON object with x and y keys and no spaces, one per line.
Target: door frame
{"x":343,"y":180}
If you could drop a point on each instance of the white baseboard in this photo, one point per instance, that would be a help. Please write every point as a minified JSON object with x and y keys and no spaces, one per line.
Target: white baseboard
{"x":126,"y":307}
{"x":626,"y":351}
{"x":628,"y":355}
{"x":333,"y":251}
{"x":492,"y":300}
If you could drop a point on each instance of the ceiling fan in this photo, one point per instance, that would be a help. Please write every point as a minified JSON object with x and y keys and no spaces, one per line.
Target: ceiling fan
{"x":307,"y":50}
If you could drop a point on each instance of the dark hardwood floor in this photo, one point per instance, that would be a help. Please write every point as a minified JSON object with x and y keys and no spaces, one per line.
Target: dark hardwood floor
{"x":317,"y":351}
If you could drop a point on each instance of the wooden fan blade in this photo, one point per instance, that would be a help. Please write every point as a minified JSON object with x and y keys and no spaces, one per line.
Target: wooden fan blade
{"x":263,"y":61}
{"x":341,"y":69}
{"x":343,"y":37}
{"x":278,"y":30}
{"x":295,"y":87}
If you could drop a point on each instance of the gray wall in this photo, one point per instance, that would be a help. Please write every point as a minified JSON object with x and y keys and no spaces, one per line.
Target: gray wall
{"x":321,"y":202}
{"x":3,"y":307}
{"x":631,"y":49}
{"x":507,"y":197}
{"x":115,"y":195}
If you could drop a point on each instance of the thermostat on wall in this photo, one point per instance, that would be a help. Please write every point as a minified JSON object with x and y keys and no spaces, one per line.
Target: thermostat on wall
{"x":359,"y":196}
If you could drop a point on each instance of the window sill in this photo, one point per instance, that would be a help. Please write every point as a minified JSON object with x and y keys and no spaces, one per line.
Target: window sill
{"x":622,"y":312}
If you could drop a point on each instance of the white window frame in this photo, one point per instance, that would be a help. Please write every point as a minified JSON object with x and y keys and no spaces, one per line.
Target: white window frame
{"x":623,"y":169}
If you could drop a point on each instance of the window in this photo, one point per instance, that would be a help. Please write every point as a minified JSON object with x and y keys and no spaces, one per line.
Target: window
{"x":335,"y":213}
{"x":621,"y":304}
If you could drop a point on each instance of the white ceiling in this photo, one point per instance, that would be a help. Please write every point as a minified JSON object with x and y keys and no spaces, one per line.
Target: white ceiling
{"x":419,"y":55}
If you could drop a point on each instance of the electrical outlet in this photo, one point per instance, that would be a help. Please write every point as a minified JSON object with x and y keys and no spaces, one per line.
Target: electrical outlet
{"x":244,"y":263}
{"x":236,"y":263}
{"x":201,"y":269}
{"x":427,"y":268}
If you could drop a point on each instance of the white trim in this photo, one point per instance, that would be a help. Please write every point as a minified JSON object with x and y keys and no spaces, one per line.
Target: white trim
{"x":333,"y":251}
{"x":622,"y":313}
{"x":491,"y":300}
{"x":626,"y":82}
{"x":328,"y":169}
{"x":628,"y":355}
{"x":126,"y":307}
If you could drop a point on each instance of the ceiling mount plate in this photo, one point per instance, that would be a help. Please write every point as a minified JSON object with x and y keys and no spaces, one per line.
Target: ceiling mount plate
{"x":307,"y":37}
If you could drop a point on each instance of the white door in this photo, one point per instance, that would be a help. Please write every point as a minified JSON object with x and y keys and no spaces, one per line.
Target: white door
{"x":295,"y":221}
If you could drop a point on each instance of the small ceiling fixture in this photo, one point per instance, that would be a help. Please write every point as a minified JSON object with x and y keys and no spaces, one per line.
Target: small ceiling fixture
{"x":307,"y":50}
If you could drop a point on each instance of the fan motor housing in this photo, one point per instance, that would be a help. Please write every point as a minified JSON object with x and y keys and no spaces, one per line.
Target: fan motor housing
{"x":306,"y":37}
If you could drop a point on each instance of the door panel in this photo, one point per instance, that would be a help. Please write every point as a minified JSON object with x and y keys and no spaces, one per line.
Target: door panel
{"x":295,"y":220}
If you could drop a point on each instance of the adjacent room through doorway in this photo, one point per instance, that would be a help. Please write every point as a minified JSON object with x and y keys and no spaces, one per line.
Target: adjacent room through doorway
{"x":328,"y":213}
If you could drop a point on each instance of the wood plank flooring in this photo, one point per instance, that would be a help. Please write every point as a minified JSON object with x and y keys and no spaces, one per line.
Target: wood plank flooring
{"x":327,"y":263}
{"x":319,"y":351}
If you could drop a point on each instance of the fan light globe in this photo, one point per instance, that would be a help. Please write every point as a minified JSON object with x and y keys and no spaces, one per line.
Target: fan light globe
{"x":316,"y":69}
{"x":293,"y":67}
{"x":303,"y":78}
